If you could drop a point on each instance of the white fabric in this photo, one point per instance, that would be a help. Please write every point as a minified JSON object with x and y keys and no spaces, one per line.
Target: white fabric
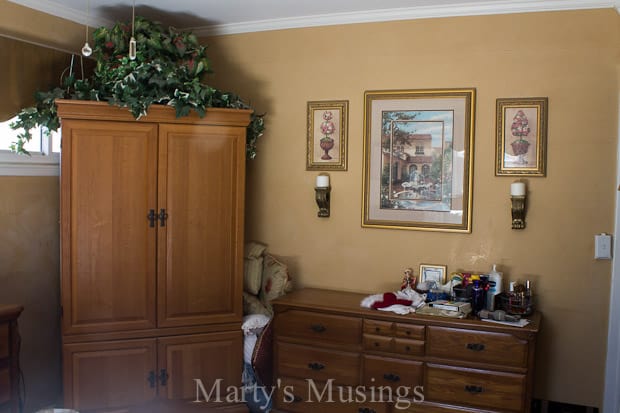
{"x":253,"y":324}
{"x":249,"y":342}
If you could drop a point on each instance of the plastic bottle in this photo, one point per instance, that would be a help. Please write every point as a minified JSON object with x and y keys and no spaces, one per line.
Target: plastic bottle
{"x":477,"y":297}
{"x":495,"y":287}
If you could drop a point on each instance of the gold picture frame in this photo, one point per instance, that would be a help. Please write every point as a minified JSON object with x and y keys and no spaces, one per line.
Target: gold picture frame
{"x":327,"y":123}
{"x":433,"y":272}
{"x":521,"y":130}
{"x":418,"y":159}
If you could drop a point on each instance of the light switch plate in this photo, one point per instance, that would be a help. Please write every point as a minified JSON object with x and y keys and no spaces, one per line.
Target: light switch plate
{"x":602,"y":246}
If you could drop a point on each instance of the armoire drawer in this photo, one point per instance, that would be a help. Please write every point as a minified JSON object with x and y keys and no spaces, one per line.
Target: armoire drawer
{"x":476,"y":388}
{"x":306,"y":362}
{"x":297,"y":396}
{"x":393,"y":373}
{"x":477,"y":346}
{"x":319,"y":328}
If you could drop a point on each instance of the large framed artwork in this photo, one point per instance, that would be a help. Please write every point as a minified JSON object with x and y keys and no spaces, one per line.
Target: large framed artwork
{"x":327,"y":135}
{"x":521,"y":148}
{"x":418,"y":159}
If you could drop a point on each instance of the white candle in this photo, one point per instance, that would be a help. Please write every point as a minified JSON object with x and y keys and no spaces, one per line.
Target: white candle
{"x":322,"y":181}
{"x":517,"y":189}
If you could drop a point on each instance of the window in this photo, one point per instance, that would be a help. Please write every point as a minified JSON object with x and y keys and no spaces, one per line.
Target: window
{"x":419,"y":150}
{"x":44,"y":153}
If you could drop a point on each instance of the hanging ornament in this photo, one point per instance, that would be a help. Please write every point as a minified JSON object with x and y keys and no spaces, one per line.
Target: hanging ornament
{"x":86,"y":50}
{"x":132,"y":42}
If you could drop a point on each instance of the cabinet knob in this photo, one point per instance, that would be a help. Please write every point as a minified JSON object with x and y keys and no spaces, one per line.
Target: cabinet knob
{"x":316,"y":366}
{"x":475,"y":346}
{"x":473,"y":389}
{"x":391,"y":377}
{"x":318,"y":328}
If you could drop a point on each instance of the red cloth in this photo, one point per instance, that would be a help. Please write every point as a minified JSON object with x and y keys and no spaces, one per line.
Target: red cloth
{"x":390,"y":299}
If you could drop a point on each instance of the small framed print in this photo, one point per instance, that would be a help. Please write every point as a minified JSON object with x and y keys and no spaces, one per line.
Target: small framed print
{"x":327,"y":135}
{"x":432,"y":272}
{"x":521,"y":137}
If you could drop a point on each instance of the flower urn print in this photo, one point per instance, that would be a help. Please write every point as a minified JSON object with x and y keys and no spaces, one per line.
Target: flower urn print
{"x":327,"y":129}
{"x":520,"y":128}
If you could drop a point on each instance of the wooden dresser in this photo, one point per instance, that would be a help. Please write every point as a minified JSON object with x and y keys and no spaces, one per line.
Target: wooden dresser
{"x":370,"y":361}
{"x":9,"y":358}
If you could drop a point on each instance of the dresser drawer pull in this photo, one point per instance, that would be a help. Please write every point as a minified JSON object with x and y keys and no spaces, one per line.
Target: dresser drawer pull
{"x":407,"y":348}
{"x":391,"y":377}
{"x":475,"y":346}
{"x":473,"y":389}
{"x":378,"y":330}
{"x":316,"y":366}
{"x":318,"y":328}
{"x":365,"y":410}
{"x":297,"y":399}
{"x":377,"y":344}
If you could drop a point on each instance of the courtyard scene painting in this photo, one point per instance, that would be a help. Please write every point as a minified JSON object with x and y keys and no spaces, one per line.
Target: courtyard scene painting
{"x":416,"y":169}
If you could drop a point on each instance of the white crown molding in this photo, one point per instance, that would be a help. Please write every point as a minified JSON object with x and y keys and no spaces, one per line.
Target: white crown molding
{"x":410,"y":13}
{"x":56,"y":9}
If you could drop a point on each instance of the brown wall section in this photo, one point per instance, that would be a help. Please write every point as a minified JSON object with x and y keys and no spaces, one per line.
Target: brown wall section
{"x":570,"y":57}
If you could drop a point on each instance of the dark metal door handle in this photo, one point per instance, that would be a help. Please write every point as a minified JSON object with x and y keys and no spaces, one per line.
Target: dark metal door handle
{"x":163,"y":216}
{"x":151,"y":379}
{"x":151,"y":217}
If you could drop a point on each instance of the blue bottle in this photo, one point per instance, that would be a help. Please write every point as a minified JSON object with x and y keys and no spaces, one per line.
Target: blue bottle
{"x":477,"y":297}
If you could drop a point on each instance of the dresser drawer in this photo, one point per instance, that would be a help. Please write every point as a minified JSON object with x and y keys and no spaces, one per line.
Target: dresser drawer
{"x":386,"y":328}
{"x":476,"y":388}
{"x":317,"y":364}
{"x":392,"y":373}
{"x":5,"y":385}
{"x":319,"y":328}
{"x":478,"y":346}
{"x":298,"y":396}
{"x":408,"y":347}
{"x":4,"y":340}
{"x":378,"y":343}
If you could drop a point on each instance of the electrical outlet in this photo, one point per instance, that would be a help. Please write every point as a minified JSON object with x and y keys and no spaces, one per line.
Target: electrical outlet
{"x":602,"y":246}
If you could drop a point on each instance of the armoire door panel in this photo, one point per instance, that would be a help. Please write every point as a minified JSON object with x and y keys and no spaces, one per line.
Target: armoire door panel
{"x":201,"y":186}
{"x":213,"y":361}
{"x":108,"y":185}
{"x":109,"y":375}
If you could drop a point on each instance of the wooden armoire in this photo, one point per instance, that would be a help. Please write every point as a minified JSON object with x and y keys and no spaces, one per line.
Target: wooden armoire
{"x":152,"y":253}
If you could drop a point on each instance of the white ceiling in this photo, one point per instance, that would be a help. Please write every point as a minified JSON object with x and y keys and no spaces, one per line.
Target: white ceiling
{"x":207,"y":17}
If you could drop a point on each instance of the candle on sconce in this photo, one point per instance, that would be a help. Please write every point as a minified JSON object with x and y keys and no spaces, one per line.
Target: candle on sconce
{"x":322,"y":181}
{"x":517,"y":189}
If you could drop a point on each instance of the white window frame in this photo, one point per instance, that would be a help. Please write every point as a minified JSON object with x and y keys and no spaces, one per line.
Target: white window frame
{"x":43,"y":163}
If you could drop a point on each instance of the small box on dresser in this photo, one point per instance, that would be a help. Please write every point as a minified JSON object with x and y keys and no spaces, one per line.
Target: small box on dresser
{"x":329,"y":350}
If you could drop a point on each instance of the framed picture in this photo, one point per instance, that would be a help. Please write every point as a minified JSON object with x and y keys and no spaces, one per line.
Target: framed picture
{"x":418,"y":147}
{"x":327,"y":135}
{"x":437,"y":273}
{"x":521,"y":137}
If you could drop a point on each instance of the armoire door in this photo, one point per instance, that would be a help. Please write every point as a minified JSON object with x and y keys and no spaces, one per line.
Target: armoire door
{"x":200,"y":365}
{"x":200,"y":239}
{"x":108,"y":376}
{"x":108,"y":186}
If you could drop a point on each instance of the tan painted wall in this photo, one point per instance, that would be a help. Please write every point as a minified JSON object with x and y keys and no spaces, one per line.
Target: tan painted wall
{"x":571,"y":57}
{"x":28,"y":24}
{"x":29,"y":275}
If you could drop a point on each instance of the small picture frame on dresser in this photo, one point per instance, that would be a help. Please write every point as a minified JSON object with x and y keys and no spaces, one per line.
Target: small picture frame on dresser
{"x":433,"y":272}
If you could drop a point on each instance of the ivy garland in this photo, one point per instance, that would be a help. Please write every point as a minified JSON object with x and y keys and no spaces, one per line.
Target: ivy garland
{"x":167,"y":70}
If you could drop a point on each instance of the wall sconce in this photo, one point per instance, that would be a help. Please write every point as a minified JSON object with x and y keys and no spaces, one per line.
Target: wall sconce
{"x":517,"y":197}
{"x":322,"y":193}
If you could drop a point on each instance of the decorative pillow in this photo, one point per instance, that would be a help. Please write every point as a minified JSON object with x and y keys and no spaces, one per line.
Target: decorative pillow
{"x":252,"y":274}
{"x":254,"y":249}
{"x":252,"y":305}
{"x":276,"y":280}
